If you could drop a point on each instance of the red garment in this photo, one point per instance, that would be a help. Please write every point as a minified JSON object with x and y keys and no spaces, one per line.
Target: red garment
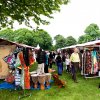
{"x":31,"y":59}
{"x":26,"y":72}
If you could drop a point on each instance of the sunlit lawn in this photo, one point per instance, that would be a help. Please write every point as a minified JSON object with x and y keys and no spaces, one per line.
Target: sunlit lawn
{"x":84,"y":90}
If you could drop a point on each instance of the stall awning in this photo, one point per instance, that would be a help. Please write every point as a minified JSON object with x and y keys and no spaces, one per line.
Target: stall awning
{"x":92,"y":43}
{"x":7,"y":42}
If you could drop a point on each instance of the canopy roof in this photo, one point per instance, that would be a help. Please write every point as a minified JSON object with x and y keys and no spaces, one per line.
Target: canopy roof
{"x":92,"y":43}
{"x":7,"y":42}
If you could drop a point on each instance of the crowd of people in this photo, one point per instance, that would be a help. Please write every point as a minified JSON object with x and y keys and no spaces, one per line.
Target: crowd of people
{"x":63,"y":61}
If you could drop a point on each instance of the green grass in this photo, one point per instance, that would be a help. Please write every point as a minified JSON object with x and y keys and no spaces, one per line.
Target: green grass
{"x":84,"y":90}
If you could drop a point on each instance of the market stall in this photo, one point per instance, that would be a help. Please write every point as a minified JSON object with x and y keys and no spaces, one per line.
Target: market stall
{"x":90,"y":59}
{"x":15,"y":62}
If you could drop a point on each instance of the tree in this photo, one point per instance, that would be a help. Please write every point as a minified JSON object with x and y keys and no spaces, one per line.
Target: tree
{"x":22,"y":10}
{"x":7,"y":34}
{"x":28,"y":37}
{"x":60,"y":41}
{"x":93,"y":31}
{"x":70,"y":41}
{"x":24,"y":36}
{"x":81,"y":39}
{"x":84,"y":38}
{"x":53,"y":48}
{"x":42,"y":38}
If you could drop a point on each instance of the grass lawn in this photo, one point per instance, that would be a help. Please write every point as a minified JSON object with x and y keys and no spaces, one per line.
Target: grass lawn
{"x":84,"y":90}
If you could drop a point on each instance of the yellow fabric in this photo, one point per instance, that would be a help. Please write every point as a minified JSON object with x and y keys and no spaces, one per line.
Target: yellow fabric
{"x":75,"y":57}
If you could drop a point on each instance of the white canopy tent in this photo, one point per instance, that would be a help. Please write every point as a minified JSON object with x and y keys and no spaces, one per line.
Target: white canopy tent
{"x":92,"y":43}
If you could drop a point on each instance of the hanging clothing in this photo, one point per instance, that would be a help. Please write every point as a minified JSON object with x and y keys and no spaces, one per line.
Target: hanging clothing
{"x":22,"y":83}
{"x":26,"y":56}
{"x":17,"y":77}
{"x":94,"y":62}
{"x":10,"y":60}
{"x":25,"y":70}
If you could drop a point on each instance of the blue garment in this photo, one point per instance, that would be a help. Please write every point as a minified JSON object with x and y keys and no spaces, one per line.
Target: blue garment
{"x":46,"y":59}
{"x":60,"y":67}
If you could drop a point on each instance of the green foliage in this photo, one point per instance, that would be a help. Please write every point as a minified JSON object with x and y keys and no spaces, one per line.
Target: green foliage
{"x":81,"y":39}
{"x":53,"y":48}
{"x":24,"y":36}
{"x":42,"y":38}
{"x":28,"y":37}
{"x":92,"y":33}
{"x":7,"y":34}
{"x":70,"y":41}
{"x":91,"y":28}
{"x":84,"y":38}
{"x":22,"y":10}
{"x":62,"y":42}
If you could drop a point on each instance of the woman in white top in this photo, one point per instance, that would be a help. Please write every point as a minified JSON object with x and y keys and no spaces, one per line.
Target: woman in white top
{"x":67,"y":61}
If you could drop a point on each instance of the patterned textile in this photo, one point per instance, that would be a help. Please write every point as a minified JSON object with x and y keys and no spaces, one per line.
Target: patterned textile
{"x":10,"y":60}
{"x":94,"y":62}
{"x":91,"y":62}
{"x":18,"y":63}
{"x":17,"y":78}
{"x":25,"y":70}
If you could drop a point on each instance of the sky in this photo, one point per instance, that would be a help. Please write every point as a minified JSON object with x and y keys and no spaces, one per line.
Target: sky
{"x":73,"y":18}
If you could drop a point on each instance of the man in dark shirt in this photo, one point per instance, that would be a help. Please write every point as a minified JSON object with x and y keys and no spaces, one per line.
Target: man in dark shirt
{"x":41,"y":61}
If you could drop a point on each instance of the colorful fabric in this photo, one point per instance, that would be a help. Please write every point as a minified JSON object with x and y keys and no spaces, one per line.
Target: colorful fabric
{"x":88,"y":62}
{"x":10,"y":60}
{"x":31,"y":59}
{"x":25,"y":70}
{"x":18,"y":63}
{"x":22,"y":79}
{"x":91,"y":63}
{"x":17,"y":78}
{"x":94,"y":62}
